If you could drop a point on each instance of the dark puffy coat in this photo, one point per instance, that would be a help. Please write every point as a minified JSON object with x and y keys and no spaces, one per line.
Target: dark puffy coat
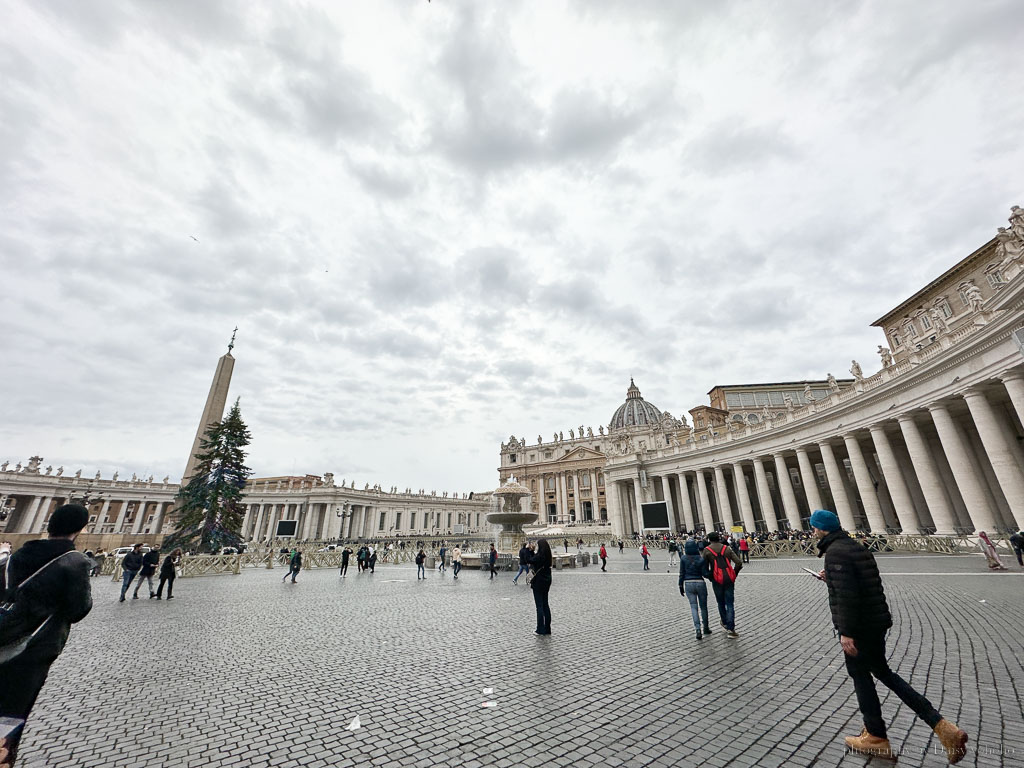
{"x":150,"y":561}
{"x":132,"y":562}
{"x":855,"y":592}
{"x":63,"y":590}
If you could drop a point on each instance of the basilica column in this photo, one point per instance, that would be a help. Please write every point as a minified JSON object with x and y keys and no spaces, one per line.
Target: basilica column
{"x":595,"y":496}
{"x":614,"y":504}
{"x":638,"y":497}
{"x":834,"y":473}
{"x":928,"y":477}
{"x":724,"y":507}
{"x":140,"y":517}
{"x":121,"y":515}
{"x":30,"y":515}
{"x":789,"y":503}
{"x":1014,"y":383}
{"x":764,"y":496}
{"x":743,"y":496}
{"x":894,"y":479}
{"x":245,"y":521}
{"x":865,"y":485}
{"x":101,"y":517}
{"x":705,"y":503}
{"x":1000,"y":453}
{"x":971,"y":490}
{"x":563,"y":500}
{"x":684,"y":502}
{"x":809,"y":477}
{"x":272,"y":521}
{"x":161,"y":511}
{"x":666,"y":487}
{"x":257,"y":530}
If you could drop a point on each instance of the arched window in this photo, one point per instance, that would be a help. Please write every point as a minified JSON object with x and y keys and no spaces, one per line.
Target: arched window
{"x":994,"y":276}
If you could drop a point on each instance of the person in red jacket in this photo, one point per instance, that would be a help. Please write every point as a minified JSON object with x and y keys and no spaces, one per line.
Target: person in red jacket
{"x":603,"y":554}
{"x":745,"y":549}
{"x":645,"y":555}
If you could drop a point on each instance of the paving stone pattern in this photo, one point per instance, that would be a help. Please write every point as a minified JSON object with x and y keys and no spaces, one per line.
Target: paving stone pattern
{"x":247,"y":671}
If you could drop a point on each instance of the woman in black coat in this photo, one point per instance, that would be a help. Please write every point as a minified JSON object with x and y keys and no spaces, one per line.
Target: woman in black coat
{"x":167,"y":574}
{"x":541,"y":585}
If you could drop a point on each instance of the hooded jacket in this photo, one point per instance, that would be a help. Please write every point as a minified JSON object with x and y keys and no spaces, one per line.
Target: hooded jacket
{"x":63,"y":590}
{"x":691,"y":564}
{"x":855,"y":593}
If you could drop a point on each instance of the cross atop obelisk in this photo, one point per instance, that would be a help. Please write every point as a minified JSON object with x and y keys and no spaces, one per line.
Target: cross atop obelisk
{"x":215,"y":402}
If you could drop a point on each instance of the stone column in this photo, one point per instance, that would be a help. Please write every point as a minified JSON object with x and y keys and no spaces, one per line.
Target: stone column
{"x":971,"y":489}
{"x":595,"y":496}
{"x":928,"y":477}
{"x":261,"y":516}
{"x":638,"y":498}
{"x":563,"y":499}
{"x":121,"y":515}
{"x":272,"y":519}
{"x":101,"y":517}
{"x":743,"y":496}
{"x":789,"y":503}
{"x":161,"y":511}
{"x":834,"y":472}
{"x":764,"y":496}
{"x":809,"y":477}
{"x":865,"y":485}
{"x":684,"y":502}
{"x":374,"y":527}
{"x":666,"y":487}
{"x":614,"y":502}
{"x":140,"y":517}
{"x":898,"y":490}
{"x":30,"y":515}
{"x":1000,"y":453}
{"x":705,"y":503}
{"x":245,"y":521}
{"x":724,"y":507}
{"x":1014,"y":383}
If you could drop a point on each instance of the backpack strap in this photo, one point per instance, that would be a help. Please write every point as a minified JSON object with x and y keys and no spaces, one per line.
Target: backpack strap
{"x":45,"y":565}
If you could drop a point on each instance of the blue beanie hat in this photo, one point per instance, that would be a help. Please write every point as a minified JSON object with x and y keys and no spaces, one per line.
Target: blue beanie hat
{"x":824,"y":520}
{"x":690,"y":547}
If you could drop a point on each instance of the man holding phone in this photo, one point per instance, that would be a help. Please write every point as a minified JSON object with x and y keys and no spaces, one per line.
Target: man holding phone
{"x":861,"y":616}
{"x":50,"y":590}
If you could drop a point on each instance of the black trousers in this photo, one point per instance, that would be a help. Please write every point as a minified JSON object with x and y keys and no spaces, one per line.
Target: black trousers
{"x":22,"y":682}
{"x":1020,"y":555}
{"x":493,"y":571}
{"x":169,"y":581}
{"x":870,"y":661}
{"x":540,"y":598}
{"x":344,"y":567}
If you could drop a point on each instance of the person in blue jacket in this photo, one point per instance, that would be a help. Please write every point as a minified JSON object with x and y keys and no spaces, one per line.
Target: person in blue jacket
{"x":693,"y":587}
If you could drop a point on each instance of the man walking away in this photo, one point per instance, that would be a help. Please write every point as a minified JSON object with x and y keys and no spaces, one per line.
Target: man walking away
{"x":620,"y":546}
{"x":421,"y":571}
{"x":48,"y":585}
{"x":744,"y":549}
{"x":672,"y":549}
{"x":1017,"y":542}
{"x":861,"y":617}
{"x":456,"y":561}
{"x":167,"y":574}
{"x":130,"y":566}
{"x":603,"y":554}
{"x":440,"y":556}
{"x":724,"y":566}
{"x":346,"y":553}
{"x":524,"y":562}
{"x":150,"y":561}
{"x":492,"y":559}
{"x":691,"y":585}
{"x":294,"y":565}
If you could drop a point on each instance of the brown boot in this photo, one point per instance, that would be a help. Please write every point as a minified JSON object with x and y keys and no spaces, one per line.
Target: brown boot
{"x":866,"y":744}
{"x":954,"y":740}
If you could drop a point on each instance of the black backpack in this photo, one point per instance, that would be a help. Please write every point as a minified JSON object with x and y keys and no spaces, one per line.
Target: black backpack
{"x":18,"y":624}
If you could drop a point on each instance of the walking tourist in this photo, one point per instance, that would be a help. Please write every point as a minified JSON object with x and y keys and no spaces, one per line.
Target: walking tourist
{"x":346,"y":553}
{"x":440,"y":556}
{"x":692,"y":568}
{"x":372,"y":561}
{"x":294,"y":565}
{"x":603,"y":554}
{"x":130,"y":565}
{"x":541,"y":585}
{"x":98,"y":559}
{"x":646,"y":556}
{"x":456,"y":561}
{"x":620,"y":546}
{"x":492,"y":560}
{"x":672,"y":549}
{"x":525,"y":554}
{"x":988,"y":549}
{"x":1017,"y":542}
{"x":861,"y":617}
{"x":421,"y":557}
{"x":48,"y":589}
{"x":150,"y":561}
{"x":744,"y":545}
{"x":724,"y":566}
{"x":168,"y":571}
{"x":566,"y":542}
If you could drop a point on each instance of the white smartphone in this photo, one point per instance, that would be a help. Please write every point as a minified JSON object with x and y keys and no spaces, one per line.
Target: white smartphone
{"x":815,"y":574}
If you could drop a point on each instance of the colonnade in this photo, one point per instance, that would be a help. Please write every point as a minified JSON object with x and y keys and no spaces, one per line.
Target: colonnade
{"x":953,"y":466}
{"x":572,"y":487}
{"x":29,"y":513}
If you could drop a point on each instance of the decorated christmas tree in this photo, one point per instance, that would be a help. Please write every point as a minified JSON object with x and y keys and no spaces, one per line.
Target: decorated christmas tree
{"x":210,"y":505}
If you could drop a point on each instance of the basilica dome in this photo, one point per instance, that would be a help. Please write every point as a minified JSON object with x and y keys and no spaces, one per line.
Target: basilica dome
{"x":635,"y":412}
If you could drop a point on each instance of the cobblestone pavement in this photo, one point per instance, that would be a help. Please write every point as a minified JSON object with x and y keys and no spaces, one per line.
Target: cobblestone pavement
{"x":248,"y":671}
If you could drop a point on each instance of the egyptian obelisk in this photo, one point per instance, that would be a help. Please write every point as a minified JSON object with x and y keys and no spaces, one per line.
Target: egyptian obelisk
{"x":215,"y":402}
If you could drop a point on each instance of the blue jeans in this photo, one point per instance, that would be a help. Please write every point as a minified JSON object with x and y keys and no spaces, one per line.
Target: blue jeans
{"x":456,"y":567}
{"x":697,"y":592}
{"x":126,"y":581}
{"x":725,"y":596}
{"x":421,"y":571}
{"x":522,"y":569}
{"x":646,"y":566}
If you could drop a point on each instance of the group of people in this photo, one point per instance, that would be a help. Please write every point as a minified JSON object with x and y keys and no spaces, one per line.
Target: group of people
{"x":144,"y":566}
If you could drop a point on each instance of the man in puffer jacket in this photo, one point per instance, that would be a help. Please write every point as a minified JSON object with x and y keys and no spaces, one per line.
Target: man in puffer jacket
{"x":861,"y":617}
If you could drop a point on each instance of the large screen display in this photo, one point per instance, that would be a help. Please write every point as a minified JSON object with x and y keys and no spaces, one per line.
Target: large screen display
{"x":655,"y":514}
{"x":286,"y":527}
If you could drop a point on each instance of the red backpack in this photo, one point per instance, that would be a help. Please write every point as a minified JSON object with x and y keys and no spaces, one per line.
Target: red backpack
{"x":722,"y":569}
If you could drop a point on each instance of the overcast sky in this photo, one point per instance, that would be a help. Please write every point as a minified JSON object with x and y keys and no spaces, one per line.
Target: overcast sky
{"x":436,"y":224}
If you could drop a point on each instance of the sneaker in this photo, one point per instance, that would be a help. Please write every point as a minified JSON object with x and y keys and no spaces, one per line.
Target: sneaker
{"x":170,"y":597}
{"x":699,"y":635}
{"x":732,"y":634}
{"x":135,"y":597}
{"x":707,"y":630}
{"x":122,"y":599}
{"x":158,"y":597}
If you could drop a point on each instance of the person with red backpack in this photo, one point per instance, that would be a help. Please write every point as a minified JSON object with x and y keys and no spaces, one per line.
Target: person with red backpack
{"x":723,"y":566}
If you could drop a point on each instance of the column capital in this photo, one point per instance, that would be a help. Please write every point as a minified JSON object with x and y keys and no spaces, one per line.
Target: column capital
{"x":938,"y":407}
{"x":973,"y":392}
{"x":905,"y":417}
{"x":1015,"y":374}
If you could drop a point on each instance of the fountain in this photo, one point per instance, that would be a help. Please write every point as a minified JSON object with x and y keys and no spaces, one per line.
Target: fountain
{"x":507,"y":511}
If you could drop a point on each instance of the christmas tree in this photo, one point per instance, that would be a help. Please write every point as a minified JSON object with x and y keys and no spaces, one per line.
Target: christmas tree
{"x":210,"y":505}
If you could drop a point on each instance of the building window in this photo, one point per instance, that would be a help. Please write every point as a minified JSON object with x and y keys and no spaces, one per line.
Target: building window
{"x":585,"y":481}
{"x":398,"y":521}
{"x":895,"y":338}
{"x":449,"y":520}
{"x":795,"y":477}
{"x":383,"y":516}
{"x":568,"y":482}
{"x":412,"y":521}
{"x":995,"y":278}
{"x":600,"y":478}
{"x":909,"y":330}
{"x":547,"y":454}
{"x":925,"y":322}
{"x":962,"y":293}
{"x":944,"y":308}
{"x":511,"y":458}
{"x":550,"y":483}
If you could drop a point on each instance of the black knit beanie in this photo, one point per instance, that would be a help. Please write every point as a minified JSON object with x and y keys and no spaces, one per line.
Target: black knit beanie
{"x":68,"y":519}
